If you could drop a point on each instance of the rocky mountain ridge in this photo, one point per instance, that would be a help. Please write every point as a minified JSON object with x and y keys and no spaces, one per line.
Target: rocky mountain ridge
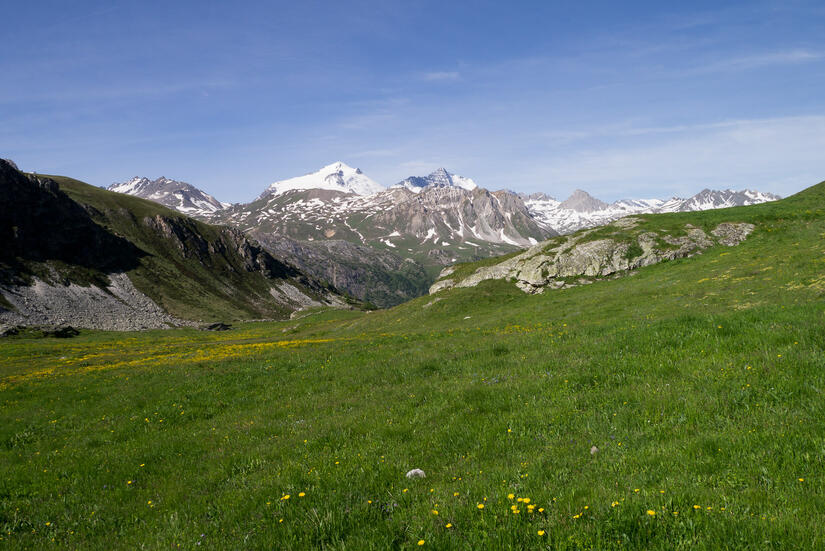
{"x":180,"y":196}
{"x":77,"y":254}
{"x":438,"y":178}
{"x":429,"y":228}
{"x":582,"y":210}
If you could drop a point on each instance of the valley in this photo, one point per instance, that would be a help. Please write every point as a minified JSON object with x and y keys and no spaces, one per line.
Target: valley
{"x":387,"y":275}
{"x":677,"y":408}
{"x":386,"y":245}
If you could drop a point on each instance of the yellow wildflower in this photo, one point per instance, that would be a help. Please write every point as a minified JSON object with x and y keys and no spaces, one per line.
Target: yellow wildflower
{"x":541,"y":532}
{"x":651,"y":512}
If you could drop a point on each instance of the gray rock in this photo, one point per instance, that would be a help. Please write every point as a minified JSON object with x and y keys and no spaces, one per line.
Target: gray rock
{"x":732,"y":234}
{"x":575,"y":261}
{"x":416,"y":473}
{"x":118,"y":307}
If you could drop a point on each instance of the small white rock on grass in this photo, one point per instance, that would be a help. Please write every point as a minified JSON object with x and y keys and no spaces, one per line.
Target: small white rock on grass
{"x":416,"y":473}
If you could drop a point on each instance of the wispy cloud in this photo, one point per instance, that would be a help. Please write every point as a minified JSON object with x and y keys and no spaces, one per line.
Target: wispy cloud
{"x":629,"y":129}
{"x":117,"y":91}
{"x":442,"y":76}
{"x":758,"y":61}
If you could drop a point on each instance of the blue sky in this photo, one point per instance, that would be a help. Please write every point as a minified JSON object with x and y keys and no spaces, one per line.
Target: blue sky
{"x":623,"y":99}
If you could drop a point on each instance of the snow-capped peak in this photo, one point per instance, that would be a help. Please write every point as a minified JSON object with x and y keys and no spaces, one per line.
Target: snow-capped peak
{"x":582,"y":210}
{"x":172,"y":193}
{"x":438,"y":178}
{"x":337,"y":176}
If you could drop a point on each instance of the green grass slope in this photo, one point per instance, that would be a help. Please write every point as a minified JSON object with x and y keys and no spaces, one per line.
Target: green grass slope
{"x":700,"y":381}
{"x":191,"y":269}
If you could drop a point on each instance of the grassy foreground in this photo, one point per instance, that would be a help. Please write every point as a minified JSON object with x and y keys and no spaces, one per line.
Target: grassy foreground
{"x":700,"y":381}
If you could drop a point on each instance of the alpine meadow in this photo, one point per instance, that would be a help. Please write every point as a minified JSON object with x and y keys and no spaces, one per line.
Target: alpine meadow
{"x":679,"y":407}
{"x":388,"y":275}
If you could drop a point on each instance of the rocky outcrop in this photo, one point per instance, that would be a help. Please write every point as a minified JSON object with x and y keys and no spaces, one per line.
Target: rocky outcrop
{"x":580,"y":259}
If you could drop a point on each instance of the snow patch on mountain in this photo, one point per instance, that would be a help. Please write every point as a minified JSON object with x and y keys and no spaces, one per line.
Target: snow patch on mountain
{"x":335,"y":177}
{"x":582,"y":210}
{"x":174,"y":194}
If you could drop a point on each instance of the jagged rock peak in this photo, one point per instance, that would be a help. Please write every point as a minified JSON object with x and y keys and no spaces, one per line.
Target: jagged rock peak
{"x":581,"y":201}
{"x":537,"y":196}
{"x":438,"y":178}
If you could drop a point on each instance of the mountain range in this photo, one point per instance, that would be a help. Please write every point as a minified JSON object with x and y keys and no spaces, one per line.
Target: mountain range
{"x":581,"y":210}
{"x":385,"y":245}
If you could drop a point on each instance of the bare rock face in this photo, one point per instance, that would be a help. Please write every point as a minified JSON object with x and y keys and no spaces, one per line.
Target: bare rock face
{"x":732,"y":234}
{"x":116,"y":307}
{"x":576,"y":260}
{"x":378,"y":277}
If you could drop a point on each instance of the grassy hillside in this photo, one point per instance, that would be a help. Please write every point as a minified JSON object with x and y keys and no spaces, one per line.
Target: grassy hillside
{"x":700,"y":382}
{"x":191,"y":269}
